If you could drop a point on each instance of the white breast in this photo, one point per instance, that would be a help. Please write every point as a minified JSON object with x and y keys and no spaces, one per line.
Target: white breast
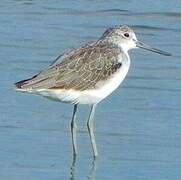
{"x":107,"y":87}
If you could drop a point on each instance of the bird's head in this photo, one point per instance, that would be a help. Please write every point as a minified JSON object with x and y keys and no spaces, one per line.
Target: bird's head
{"x":125,"y":38}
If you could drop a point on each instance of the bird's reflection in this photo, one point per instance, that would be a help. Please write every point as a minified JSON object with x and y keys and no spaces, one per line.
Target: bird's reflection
{"x":72,"y":169}
{"x":92,"y":172}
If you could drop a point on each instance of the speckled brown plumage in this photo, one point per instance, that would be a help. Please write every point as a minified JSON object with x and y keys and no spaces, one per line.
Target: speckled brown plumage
{"x":80,"y":69}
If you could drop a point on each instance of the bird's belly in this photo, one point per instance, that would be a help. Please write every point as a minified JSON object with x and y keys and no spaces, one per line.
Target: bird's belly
{"x":106,"y":87}
{"x":91,"y":96}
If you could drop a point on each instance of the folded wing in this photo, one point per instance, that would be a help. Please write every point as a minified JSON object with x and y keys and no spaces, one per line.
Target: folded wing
{"x":80,"y":69}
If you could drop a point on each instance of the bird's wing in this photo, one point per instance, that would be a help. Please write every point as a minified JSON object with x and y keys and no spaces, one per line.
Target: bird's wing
{"x":80,"y":70}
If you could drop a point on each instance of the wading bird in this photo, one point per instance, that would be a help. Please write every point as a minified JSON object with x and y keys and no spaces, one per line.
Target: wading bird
{"x":88,"y":74}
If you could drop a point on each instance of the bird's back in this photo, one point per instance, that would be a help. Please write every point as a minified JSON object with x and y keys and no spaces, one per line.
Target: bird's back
{"x":80,"y":69}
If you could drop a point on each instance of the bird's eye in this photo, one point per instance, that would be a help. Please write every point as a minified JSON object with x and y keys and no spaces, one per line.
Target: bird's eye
{"x":126,"y":35}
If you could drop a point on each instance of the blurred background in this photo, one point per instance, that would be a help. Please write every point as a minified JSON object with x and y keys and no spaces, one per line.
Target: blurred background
{"x":138,"y":127}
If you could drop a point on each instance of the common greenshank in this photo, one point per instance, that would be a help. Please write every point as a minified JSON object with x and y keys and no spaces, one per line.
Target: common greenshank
{"x":87,"y":75}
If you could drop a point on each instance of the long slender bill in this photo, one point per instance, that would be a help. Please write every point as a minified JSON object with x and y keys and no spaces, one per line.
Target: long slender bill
{"x":146,"y":47}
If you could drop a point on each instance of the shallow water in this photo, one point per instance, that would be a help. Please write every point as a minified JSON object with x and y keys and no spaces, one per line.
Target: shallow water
{"x":138,"y":127}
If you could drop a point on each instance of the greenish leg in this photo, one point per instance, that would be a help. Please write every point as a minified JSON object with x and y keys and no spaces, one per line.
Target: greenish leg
{"x":74,"y":130}
{"x":90,"y":126}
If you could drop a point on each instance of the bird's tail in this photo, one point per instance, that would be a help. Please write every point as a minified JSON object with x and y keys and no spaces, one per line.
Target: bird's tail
{"x":24,"y":85}
{"x":20,"y":86}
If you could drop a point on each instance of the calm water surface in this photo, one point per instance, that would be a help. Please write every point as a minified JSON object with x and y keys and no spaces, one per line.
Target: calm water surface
{"x":138,"y":128}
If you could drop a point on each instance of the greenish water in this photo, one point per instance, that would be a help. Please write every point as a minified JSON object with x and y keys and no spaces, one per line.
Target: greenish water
{"x":138,"y":127}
